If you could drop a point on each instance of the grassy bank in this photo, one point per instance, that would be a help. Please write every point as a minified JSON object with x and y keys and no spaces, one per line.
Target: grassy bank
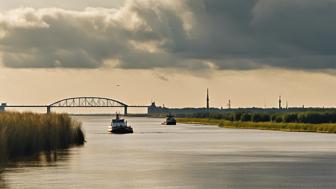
{"x":283,"y":116}
{"x":293,"y":127}
{"x":26,"y":134}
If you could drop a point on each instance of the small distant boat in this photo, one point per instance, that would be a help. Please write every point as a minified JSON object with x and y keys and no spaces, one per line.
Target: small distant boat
{"x":170,"y":120}
{"x":119,"y":126}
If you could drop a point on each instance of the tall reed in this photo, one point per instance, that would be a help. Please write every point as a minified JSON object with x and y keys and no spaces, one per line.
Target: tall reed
{"x":26,"y":134}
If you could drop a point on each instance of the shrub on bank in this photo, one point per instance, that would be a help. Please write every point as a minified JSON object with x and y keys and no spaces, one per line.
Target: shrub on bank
{"x":25,"y":134}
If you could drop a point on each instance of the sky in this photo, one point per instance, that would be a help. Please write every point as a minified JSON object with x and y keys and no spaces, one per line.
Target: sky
{"x":137,"y":51}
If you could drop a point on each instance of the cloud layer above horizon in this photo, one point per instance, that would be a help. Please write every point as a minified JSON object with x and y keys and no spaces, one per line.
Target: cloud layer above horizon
{"x":187,"y":34}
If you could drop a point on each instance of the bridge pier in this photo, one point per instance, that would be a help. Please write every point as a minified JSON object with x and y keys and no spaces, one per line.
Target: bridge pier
{"x":3,"y":107}
{"x":125,"y":110}
{"x":48,"y":109}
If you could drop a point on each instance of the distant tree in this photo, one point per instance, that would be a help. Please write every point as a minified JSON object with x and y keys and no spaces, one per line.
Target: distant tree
{"x":231,"y":117}
{"x":290,"y":118}
{"x":246,"y":117}
{"x":261,"y":117}
{"x":265,"y":117}
{"x":278,"y":118}
{"x":216,"y":115}
{"x":237,"y":116}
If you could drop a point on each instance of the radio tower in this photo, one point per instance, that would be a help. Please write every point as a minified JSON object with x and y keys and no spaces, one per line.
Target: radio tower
{"x":207,"y":100}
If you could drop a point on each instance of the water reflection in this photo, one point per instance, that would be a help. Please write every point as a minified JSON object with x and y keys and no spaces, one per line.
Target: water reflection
{"x":44,"y":159}
{"x":184,"y":156}
{"x":2,"y":181}
{"x":281,"y":172}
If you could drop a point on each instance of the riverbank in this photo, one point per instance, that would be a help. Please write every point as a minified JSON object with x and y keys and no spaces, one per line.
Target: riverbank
{"x":27,"y":134}
{"x":290,"y":127}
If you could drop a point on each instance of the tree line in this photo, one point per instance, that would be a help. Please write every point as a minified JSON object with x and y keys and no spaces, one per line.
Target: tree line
{"x":293,"y":117}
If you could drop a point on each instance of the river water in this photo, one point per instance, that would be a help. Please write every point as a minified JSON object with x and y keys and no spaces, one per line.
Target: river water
{"x":182,"y":156}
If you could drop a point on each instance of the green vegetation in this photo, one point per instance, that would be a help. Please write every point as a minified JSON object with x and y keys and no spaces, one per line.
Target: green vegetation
{"x":26,"y":134}
{"x":317,"y":117}
{"x":294,"y":127}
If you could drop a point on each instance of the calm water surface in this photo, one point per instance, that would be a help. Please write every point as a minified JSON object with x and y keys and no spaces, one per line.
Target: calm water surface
{"x":182,"y":156}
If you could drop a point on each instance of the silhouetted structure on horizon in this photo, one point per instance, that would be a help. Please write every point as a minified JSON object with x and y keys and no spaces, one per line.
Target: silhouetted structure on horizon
{"x":207,"y":100}
{"x":3,"y":107}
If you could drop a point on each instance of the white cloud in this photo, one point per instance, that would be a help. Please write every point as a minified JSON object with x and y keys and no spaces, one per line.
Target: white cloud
{"x":53,"y":37}
{"x":189,"y":34}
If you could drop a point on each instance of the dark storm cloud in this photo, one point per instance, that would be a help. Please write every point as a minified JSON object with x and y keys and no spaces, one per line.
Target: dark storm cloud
{"x":296,"y":34}
{"x":188,"y":34}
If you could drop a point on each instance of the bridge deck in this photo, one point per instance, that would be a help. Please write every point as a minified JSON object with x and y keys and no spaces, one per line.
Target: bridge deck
{"x":45,"y":106}
{"x":79,"y":102}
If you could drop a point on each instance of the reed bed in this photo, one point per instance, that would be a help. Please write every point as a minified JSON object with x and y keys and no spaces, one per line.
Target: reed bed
{"x":26,"y":134}
{"x":292,"y":127}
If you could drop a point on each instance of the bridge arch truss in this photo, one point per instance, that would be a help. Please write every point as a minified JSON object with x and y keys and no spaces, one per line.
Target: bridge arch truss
{"x":87,"y":102}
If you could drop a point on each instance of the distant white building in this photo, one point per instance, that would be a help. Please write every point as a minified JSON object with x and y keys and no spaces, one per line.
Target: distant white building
{"x":2,"y":107}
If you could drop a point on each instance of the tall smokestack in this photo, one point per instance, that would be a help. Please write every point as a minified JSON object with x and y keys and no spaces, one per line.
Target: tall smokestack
{"x":207,"y":100}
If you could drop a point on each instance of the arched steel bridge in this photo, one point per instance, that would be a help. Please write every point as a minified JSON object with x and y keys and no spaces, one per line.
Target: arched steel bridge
{"x":80,"y":102}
